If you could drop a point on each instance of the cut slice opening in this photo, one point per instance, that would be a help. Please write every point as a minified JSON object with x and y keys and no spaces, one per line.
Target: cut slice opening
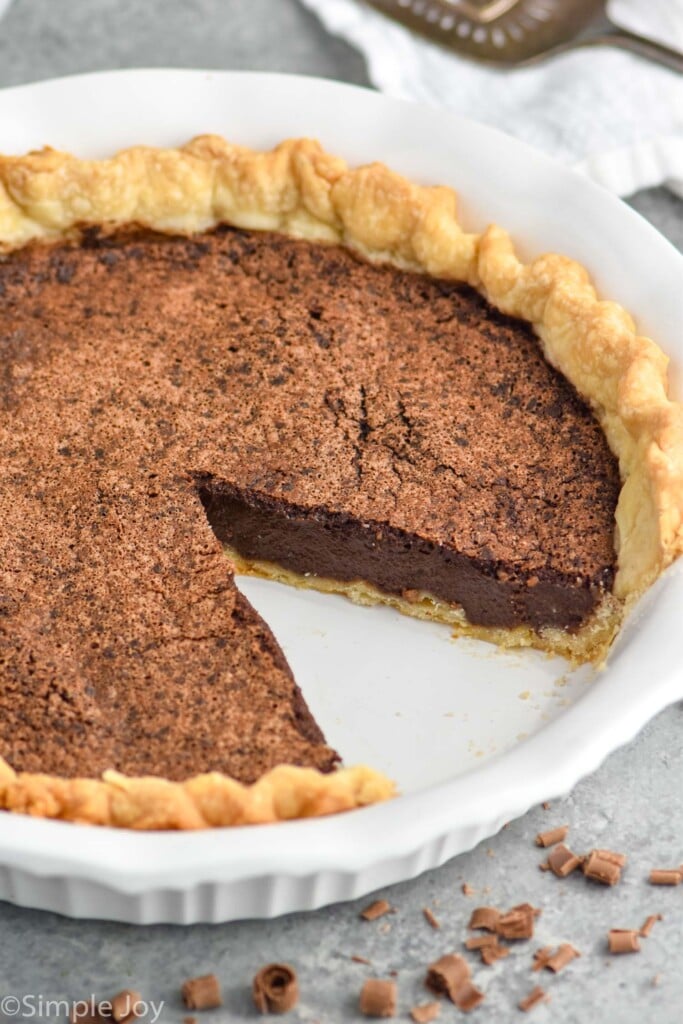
{"x":375,"y":563}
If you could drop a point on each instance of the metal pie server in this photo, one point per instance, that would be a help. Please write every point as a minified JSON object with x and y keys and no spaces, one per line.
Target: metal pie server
{"x":514,"y":33}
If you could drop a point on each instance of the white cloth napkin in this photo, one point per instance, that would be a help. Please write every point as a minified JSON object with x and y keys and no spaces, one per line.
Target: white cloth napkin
{"x":617,"y":117}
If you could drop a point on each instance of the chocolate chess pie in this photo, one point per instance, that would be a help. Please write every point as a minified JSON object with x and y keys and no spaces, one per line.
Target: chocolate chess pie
{"x":316,"y":371}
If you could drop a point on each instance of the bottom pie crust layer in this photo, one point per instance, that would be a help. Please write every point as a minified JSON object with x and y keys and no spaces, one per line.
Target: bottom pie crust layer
{"x":590,"y":643}
{"x":211,"y":800}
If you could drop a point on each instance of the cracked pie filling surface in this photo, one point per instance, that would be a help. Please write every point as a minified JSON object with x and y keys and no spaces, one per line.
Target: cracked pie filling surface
{"x":317,"y":372}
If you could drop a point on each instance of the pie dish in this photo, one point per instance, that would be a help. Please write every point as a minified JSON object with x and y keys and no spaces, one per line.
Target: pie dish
{"x":50,"y":205}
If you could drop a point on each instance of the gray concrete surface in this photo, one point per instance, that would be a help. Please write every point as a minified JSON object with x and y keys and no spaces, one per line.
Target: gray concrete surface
{"x":632,"y":804}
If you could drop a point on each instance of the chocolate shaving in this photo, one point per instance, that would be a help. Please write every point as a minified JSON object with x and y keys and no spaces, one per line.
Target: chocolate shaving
{"x":602,"y":869}
{"x":541,"y":957}
{"x":623,"y":940}
{"x":488,"y":948}
{"x":126,"y":1006}
{"x":481,"y":941}
{"x":564,"y":955}
{"x":377,"y":909}
{"x":425,"y":1013}
{"x":451,"y":976}
{"x":468,"y":997}
{"x":447,"y":975}
{"x":552,"y":836}
{"x":615,"y":858}
{"x":649,"y":924}
{"x":562,"y":861}
{"x":492,"y":952}
{"x":517,"y":923}
{"x":536,"y":996}
{"x":378,"y":998}
{"x":275,"y":989}
{"x":665,"y":876}
{"x":429,"y":918}
{"x":467,"y":889}
{"x":486,"y":918}
{"x":361,"y":960}
{"x":202,"y":993}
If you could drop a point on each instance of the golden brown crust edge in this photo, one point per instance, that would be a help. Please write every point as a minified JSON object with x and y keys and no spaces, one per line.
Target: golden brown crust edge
{"x":624,"y":377}
{"x":211,"y":800}
{"x":300,"y":190}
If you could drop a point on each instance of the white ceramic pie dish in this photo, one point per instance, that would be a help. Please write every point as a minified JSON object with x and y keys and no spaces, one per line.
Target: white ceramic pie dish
{"x":474,"y":737}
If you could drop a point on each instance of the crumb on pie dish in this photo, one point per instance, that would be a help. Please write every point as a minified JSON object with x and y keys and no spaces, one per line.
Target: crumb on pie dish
{"x":315,"y":371}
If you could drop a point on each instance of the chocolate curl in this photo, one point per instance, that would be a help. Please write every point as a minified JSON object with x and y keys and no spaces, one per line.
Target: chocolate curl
{"x":425,"y":1013}
{"x":665,"y":876}
{"x":486,"y":918}
{"x":481,"y":941}
{"x":615,"y":858}
{"x":468,"y":997}
{"x":602,"y":869}
{"x":378,"y":998}
{"x":377,"y":909}
{"x":518,"y":923}
{"x":493,"y":952}
{"x":562,"y":861}
{"x":430,"y":918}
{"x":564,"y":955}
{"x":536,"y":996}
{"x":487,"y":947}
{"x":275,"y":989}
{"x":541,"y":957}
{"x":447,"y":975}
{"x":623,"y":940}
{"x":202,"y":993}
{"x":552,"y":836}
{"x":649,"y":924}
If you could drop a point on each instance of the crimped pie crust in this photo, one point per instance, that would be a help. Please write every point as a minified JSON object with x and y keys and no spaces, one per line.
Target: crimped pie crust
{"x":204,"y":801}
{"x":299,"y":190}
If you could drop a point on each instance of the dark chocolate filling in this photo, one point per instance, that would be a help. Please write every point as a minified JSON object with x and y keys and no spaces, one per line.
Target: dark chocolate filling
{"x":335,"y":546}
